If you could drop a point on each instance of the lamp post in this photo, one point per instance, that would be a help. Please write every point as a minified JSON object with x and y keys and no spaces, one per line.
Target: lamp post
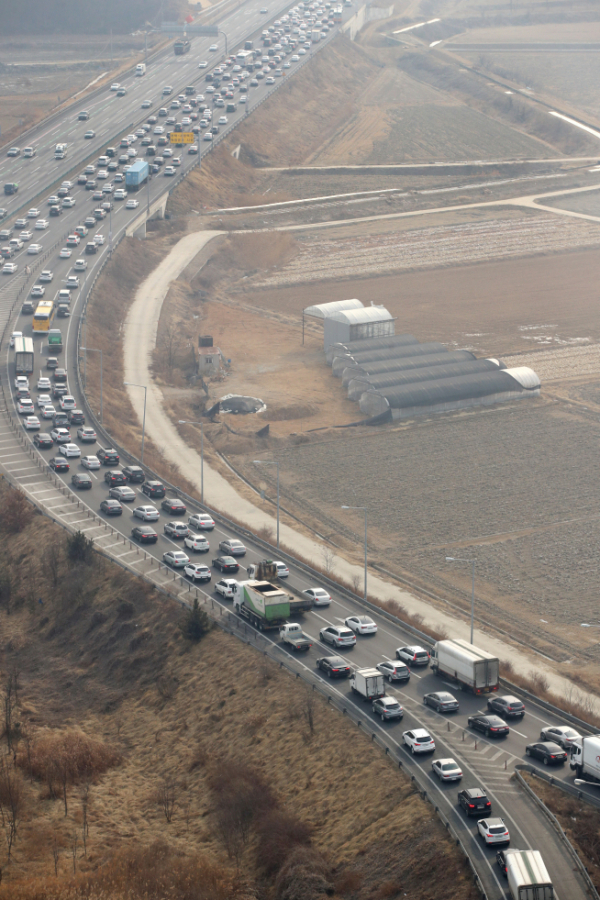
{"x":133,"y":384}
{"x":201,"y":424}
{"x":95,"y":350}
{"x":472,"y":563}
{"x":271,"y":462}
{"x":225,"y":36}
{"x":364,"y":509}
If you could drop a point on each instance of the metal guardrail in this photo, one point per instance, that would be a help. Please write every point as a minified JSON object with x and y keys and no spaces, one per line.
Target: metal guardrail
{"x":557,"y":826}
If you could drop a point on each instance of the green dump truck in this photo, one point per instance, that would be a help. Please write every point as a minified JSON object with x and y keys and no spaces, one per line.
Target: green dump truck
{"x":261,"y":603}
{"x":55,"y":342}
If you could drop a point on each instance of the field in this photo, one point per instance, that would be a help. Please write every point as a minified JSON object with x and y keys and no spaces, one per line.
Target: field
{"x":158,"y":747}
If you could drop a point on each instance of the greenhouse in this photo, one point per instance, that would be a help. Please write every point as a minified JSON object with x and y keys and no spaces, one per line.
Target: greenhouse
{"x":367,"y":344}
{"x":341,"y":363}
{"x":362,"y":383}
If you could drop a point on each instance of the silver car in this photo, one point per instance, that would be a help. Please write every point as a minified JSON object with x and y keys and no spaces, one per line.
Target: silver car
{"x":146,"y":513}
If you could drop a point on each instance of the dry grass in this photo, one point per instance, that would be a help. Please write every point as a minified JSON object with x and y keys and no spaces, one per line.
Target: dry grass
{"x":579,"y":703}
{"x":112,"y":668}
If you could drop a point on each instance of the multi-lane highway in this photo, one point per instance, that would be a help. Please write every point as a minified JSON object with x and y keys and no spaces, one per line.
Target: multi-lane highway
{"x":486,"y":763}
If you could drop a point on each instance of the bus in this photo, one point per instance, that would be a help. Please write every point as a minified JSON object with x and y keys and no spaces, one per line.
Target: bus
{"x":43,"y":316}
{"x":181,"y":46}
{"x":23,"y":355}
{"x":337,"y":14}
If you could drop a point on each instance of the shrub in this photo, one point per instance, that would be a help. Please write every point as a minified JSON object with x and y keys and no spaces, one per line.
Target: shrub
{"x":280,"y":834}
{"x":80,"y":548}
{"x":303,"y":877}
{"x":17,"y":512}
{"x":195,"y":623}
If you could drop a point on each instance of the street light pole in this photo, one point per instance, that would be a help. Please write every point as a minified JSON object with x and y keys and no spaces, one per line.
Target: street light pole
{"x":95,"y":350}
{"x":133,"y":384}
{"x":364,"y":509}
{"x":201,"y":424}
{"x":271,"y":462}
{"x":472,"y":563}
{"x":225,"y":36}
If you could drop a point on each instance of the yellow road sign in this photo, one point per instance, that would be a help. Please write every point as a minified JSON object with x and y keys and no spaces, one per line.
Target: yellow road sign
{"x":183,"y":137}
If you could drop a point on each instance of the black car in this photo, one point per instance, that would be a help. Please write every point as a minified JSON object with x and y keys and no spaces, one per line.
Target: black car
{"x":52,"y":362}
{"x":43,"y":440}
{"x":59,"y":390}
{"x":115,"y":477}
{"x":76,"y":417}
{"x":226,"y":564}
{"x":492,"y":726}
{"x":60,"y":420}
{"x":82,"y":480}
{"x":442,"y":701}
{"x":510,"y":707}
{"x":550,"y":753}
{"x":501,"y":860}
{"x":107,"y":456}
{"x":153,"y":489}
{"x":334,"y":666}
{"x":134,"y":473}
{"x":111,"y":507}
{"x":145,"y":534}
{"x":474,"y":801}
{"x":60,"y":376}
{"x":174,"y":506}
{"x":59,"y":464}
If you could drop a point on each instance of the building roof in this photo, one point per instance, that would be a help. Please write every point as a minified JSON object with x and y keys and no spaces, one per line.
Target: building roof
{"x":326,"y":310}
{"x":361,"y":316}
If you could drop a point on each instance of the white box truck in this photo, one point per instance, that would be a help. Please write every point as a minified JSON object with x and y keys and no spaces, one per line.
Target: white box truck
{"x":528,"y":877}
{"x":315,"y":37}
{"x":368,"y":683}
{"x":466,"y":665}
{"x":585,"y":757}
{"x":140,"y":69}
{"x":60,"y":151}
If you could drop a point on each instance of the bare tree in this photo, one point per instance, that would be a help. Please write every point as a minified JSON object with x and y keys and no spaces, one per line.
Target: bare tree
{"x":9,"y":704}
{"x":85,"y":803}
{"x":166,"y":798}
{"x":11,"y":802}
{"x":355,"y":583}
{"x":328,"y":554}
{"x":73,"y":843}
{"x":308,"y":711}
{"x":56,"y":848}
{"x":51,"y":562}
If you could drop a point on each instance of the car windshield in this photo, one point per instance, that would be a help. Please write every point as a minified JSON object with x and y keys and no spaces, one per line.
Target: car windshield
{"x":570,"y":733}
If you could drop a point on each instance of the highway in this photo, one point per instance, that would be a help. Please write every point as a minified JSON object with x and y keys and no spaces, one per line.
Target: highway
{"x":485,"y":763}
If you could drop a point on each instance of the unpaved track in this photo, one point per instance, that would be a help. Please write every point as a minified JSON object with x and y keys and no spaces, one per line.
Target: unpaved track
{"x":140,"y":334}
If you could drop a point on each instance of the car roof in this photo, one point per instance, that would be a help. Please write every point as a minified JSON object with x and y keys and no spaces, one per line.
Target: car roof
{"x":475,"y":792}
{"x":421,"y":732}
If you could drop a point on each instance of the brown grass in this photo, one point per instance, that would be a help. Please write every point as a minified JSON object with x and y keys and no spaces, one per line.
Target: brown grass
{"x":80,"y":756}
{"x":115,"y":673}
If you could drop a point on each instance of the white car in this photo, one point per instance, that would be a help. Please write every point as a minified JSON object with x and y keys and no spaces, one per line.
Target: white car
{"x":169,"y":171}
{"x":176,"y":558}
{"x":115,"y":86}
{"x":223,"y":120}
{"x":34,"y":249}
{"x":208,"y":136}
{"x":158,"y":129}
{"x":44,"y":384}
{"x":60,"y":435}
{"x":176,"y":161}
{"x":337,"y":636}
{"x":25,"y":407}
{"x":120,"y":194}
{"x":41,"y":224}
{"x":225,"y":587}
{"x":68,"y":202}
{"x":26,"y":236}
{"x":203,"y":64}
{"x":32,"y":423}
{"x":102,"y":175}
{"x":419,"y":740}
{"x":282,"y":569}
{"x":46,"y":275}
{"x":38,"y":290}
{"x":270,"y":80}
{"x":22,"y":382}
{"x":413,"y":655}
{"x":131,"y":204}
{"x":196,"y":542}
{"x":91,"y":462}
{"x":563,"y":735}
{"x":69,"y":450}
{"x":319,"y":596}
{"x":44,"y":400}
{"x":67,"y":402}
{"x":198,"y":572}
{"x":65,"y":253}
{"x":447,"y":769}
{"x":493,"y":831}
{"x":167,"y":152}
{"x":242,"y":99}
{"x":146,"y":513}
{"x":48,"y":411}
{"x":361,"y":624}
{"x":213,"y":48}
{"x":202,"y":521}
{"x":33,"y":213}
{"x":99,"y":238}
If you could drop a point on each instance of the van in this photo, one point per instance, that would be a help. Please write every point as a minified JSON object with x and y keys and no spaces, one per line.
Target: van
{"x":91,"y":247}
{"x":83,"y":115}
{"x":140,"y":69}
{"x":28,"y":152}
{"x":111,"y":151}
{"x":231,"y":107}
{"x":63,"y":296}
{"x":248,"y":45}
{"x":190,"y":89}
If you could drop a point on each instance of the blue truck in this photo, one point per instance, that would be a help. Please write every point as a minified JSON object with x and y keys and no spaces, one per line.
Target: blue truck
{"x":137,"y":175}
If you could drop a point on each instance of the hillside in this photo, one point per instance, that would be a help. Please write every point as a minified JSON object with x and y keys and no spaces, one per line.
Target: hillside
{"x":138,"y":764}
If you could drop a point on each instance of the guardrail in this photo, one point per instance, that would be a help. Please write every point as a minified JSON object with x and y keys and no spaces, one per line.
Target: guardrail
{"x":557,"y":826}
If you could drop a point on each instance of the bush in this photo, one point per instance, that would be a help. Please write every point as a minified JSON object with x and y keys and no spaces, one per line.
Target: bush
{"x":80,"y":548}
{"x":195,"y":623}
{"x":280,"y":834}
{"x":72,"y":752}
{"x":303,"y":877}
{"x":17,"y":512}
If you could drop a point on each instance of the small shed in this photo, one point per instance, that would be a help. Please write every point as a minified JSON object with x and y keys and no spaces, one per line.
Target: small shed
{"x":356,"y":324}
{"x":323,"y":310}
{"x":209,"y":360}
